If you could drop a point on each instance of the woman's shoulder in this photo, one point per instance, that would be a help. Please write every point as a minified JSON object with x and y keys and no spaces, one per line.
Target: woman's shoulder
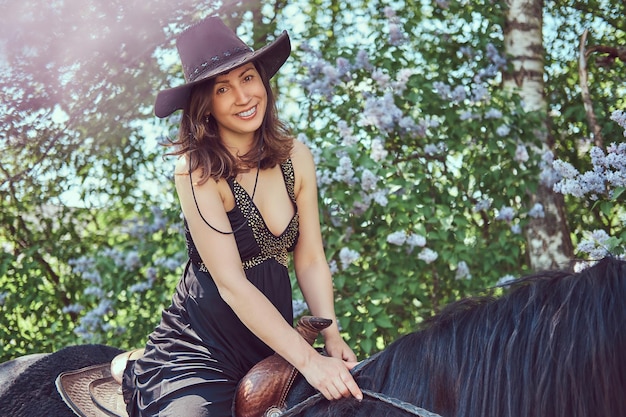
{"x":182,"y":166}
{"x":299,"y":151}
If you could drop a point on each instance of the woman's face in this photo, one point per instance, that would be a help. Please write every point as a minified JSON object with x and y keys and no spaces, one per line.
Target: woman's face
{"x":238,"y":102}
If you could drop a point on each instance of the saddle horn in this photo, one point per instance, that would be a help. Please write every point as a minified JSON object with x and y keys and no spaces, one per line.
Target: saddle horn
{"x":262,"y":392}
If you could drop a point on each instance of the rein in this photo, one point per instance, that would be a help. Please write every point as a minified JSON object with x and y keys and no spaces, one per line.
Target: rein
{"x":399,"y":404}
{"x":404,"y":406}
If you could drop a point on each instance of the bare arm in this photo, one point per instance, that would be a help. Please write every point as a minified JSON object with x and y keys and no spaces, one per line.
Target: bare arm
{"x":311,"y":266}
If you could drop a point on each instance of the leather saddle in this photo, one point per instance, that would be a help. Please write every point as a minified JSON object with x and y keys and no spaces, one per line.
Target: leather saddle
{"x":96,"y":391}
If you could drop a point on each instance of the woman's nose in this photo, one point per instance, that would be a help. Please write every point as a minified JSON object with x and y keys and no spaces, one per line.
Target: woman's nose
{"x":242,"y":95}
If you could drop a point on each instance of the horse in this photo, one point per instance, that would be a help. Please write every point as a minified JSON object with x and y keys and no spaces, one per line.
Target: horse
{"x":553,"y":344}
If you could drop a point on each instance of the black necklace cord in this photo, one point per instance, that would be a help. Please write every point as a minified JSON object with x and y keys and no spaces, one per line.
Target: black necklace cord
{"x":256,"y":181}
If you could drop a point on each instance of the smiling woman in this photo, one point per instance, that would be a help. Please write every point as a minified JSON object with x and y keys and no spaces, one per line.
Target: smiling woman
{"x":248,"y":194}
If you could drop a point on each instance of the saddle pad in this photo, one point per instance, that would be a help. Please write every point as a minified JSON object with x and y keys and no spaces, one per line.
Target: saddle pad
{"x":92,"y":392}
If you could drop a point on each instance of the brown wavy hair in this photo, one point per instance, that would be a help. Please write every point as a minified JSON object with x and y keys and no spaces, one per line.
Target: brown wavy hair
{"x":199,"y":138}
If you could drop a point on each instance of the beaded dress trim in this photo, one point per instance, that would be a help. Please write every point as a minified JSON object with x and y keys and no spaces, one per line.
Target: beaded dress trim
{"x":271,"y":246}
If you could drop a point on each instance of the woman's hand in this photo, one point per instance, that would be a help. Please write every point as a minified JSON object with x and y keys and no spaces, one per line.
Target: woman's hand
{"x":331,"y":376}
{"x":338,"y":348}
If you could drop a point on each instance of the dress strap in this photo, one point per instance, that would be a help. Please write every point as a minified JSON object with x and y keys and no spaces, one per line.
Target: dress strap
{"x":289,"y":178}
{"x":256,"y":181}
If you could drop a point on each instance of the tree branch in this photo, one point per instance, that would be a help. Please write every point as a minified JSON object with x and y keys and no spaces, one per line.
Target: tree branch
{"x":584,"y":87}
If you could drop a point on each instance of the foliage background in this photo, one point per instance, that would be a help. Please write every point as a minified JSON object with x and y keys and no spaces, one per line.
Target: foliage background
{"x":426,"y":166}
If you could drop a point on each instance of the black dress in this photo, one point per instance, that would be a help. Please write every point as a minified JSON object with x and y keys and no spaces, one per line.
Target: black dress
{"x":200,"y":350}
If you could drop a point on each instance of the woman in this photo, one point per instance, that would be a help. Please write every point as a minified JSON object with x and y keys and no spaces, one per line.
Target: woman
{"x":248,"y":194}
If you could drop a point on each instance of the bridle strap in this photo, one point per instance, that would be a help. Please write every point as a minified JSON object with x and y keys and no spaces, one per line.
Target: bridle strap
{"x":402,"y":405}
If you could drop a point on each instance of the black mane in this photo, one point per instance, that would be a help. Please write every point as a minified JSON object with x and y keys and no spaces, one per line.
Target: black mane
{"x":554,"y":345}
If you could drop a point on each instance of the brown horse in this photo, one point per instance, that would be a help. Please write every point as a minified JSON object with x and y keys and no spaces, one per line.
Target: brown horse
{"x":553,"y":345}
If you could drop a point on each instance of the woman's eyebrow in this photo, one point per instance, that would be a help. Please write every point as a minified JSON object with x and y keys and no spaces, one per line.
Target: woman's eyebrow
{"x":243,"y":72}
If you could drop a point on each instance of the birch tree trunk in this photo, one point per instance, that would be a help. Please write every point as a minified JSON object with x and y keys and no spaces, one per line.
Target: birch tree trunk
{"x":549,"y":243}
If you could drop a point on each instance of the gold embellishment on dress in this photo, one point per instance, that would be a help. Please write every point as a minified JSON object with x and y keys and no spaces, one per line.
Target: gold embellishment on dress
{"x":282,"y":258}
{"x":270,"y":246}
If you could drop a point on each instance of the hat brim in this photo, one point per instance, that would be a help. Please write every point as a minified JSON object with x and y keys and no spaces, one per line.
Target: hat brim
{"x":271,"y":57}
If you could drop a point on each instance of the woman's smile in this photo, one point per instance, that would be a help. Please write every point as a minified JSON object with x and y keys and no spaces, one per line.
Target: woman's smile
{"x":248,"y":114}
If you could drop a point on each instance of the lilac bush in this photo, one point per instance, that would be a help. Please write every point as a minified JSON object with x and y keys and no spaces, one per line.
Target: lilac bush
{"x":603,"y":185}
{"x":424,"y":171}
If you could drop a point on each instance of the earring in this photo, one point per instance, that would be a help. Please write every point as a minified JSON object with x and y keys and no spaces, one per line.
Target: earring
{"x":207,"y":118}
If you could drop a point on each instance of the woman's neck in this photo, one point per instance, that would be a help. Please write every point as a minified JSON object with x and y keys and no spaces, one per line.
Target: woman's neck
{"x":239,"y":145}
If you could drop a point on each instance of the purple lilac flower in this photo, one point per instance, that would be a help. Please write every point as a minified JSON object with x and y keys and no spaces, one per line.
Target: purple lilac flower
{"x":381,"y":78}
{"x":480,"y":93}
{"x":368,"y":180}
{"x":619,"y":116}
{"x":462,"y":271}
{"x":389,"y":12}
{"x":347,"y":257}
{"x":482,"y":205}
{"x":95,"y":291}
{"x":380,"y":197}
{"x":360,"y":206}
{"x":396,"y":36}
{"x":73,"y":308}
{"x":345,"y":132}
{"x":378,"y":151}
{"x":428,"y":255}
{"x":132,"y":260}
{"x":345,"y":171}
{"x":595,"y":244}
{"x":503,"y":130}
{"x":466,"y":115}
{"x":493,"y":114}
{"x":536,"y":211}
{"x":494,"y":56}
{"x":505,"y":280}
{"x":413,"y":240}
{"x":458,"y":94}
{"x":443,"y":89}
{"x":407,"y":124}
{"x":140,"y":287}
{"x":548,"y":175}
{"x":431,"y":149}
{"x":299,"y":307}
{"x":332,"y":265}
{"x":402,"y":78}
{"x":565,"y":169}
{"x":467,"y":51}
{"x":381,"y":112}
{"x":363,"y":61}
{"x":506,"y":214}
{"x":521,"y":153}
{"x":343,"y":67}
{"x":397,"y":238}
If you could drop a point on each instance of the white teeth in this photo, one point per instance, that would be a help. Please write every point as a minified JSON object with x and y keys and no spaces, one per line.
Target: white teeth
{"x":247,"y":113}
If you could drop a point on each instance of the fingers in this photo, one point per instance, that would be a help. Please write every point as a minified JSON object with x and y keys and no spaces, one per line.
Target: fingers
{"x":352,"y":388}
{"x":349,"y":356}
{"x":332,"y":378}
{"x":344,"y":386}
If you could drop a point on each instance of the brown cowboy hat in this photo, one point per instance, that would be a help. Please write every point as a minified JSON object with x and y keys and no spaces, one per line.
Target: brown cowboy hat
{"x":210,"y":48}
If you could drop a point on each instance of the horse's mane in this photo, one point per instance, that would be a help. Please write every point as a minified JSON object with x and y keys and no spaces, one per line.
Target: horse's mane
{"x":553,"y":345}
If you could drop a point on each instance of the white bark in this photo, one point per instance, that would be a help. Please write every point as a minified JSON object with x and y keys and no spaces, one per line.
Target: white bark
{"x":549,"y":244}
